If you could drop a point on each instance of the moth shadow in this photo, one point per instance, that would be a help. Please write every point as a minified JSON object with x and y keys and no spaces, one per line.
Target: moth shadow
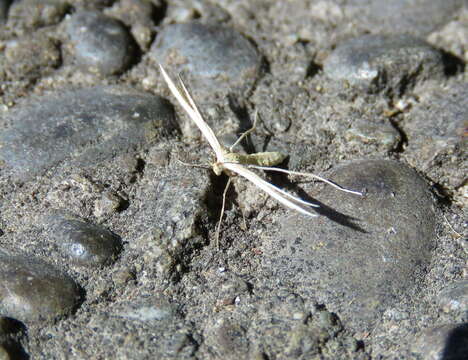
{"x":281,"y":180}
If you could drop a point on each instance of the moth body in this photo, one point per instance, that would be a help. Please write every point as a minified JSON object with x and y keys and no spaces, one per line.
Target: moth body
{"x":269,"y":158}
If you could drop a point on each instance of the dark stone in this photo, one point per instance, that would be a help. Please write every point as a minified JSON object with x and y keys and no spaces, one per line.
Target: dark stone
{"x":214,"y":57}
{"x":85,"y":126}
{"x":100,"y":44}
{"x":83,"y":243}
{"x":363,"y":253}
{"x":32,"y":290}
{"x":384,"y":63}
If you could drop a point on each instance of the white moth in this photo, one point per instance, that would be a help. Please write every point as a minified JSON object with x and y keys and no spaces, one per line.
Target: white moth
{"x":230,"y":162}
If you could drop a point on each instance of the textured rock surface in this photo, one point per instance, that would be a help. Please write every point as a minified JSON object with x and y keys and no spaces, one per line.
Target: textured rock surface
{"x":379,"y":276}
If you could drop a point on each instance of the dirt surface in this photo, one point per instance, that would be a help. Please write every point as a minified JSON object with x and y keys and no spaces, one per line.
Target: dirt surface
{"x":107,"y":236}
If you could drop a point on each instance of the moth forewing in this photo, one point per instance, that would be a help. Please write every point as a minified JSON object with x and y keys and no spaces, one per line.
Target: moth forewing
{"x":192,"y":111}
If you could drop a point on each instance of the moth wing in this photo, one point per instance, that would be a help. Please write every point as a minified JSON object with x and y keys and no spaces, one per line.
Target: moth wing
{"x":293,"y":202}
{"x":192,"y":111}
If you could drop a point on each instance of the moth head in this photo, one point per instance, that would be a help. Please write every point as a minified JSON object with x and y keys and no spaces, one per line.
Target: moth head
{"x":218,"y":168}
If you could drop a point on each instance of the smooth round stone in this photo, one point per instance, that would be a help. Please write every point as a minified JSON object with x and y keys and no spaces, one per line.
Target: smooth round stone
{"x":362,"y":253}
{"x":83,"y":126}
{"x":212,"y":56}
{"x":83,"y":243}
{"x":384,"y":62}
{"x":99,"y":43}
{"x":454,"y":297}
{"x":32,"y":290}
{"x":443,"y":342}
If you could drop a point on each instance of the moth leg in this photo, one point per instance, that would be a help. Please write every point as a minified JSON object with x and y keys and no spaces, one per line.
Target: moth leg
{"x":244,"y":221}
{"x":252,"y":129}
{"x":218,"y":226}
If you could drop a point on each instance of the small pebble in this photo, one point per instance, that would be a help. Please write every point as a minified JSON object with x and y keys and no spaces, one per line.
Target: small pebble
{"x":99,"y":43}
{"x":212,"y":56}
{"x":389,"y":63}
{"x":83,"y":243}
{"x":32,"y":290}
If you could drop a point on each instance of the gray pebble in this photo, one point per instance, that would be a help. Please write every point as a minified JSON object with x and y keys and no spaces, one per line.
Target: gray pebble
{"x":384,"y":63}
{"x":100,"y":44}
{"x":85,"y":126}
{"x":83,"y":243}
{"x":213,"y":56}
{"x":32,"y":290}
{"x":454,"y":297}
{"x":363,"y":252}
{"x":443,"y":343}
